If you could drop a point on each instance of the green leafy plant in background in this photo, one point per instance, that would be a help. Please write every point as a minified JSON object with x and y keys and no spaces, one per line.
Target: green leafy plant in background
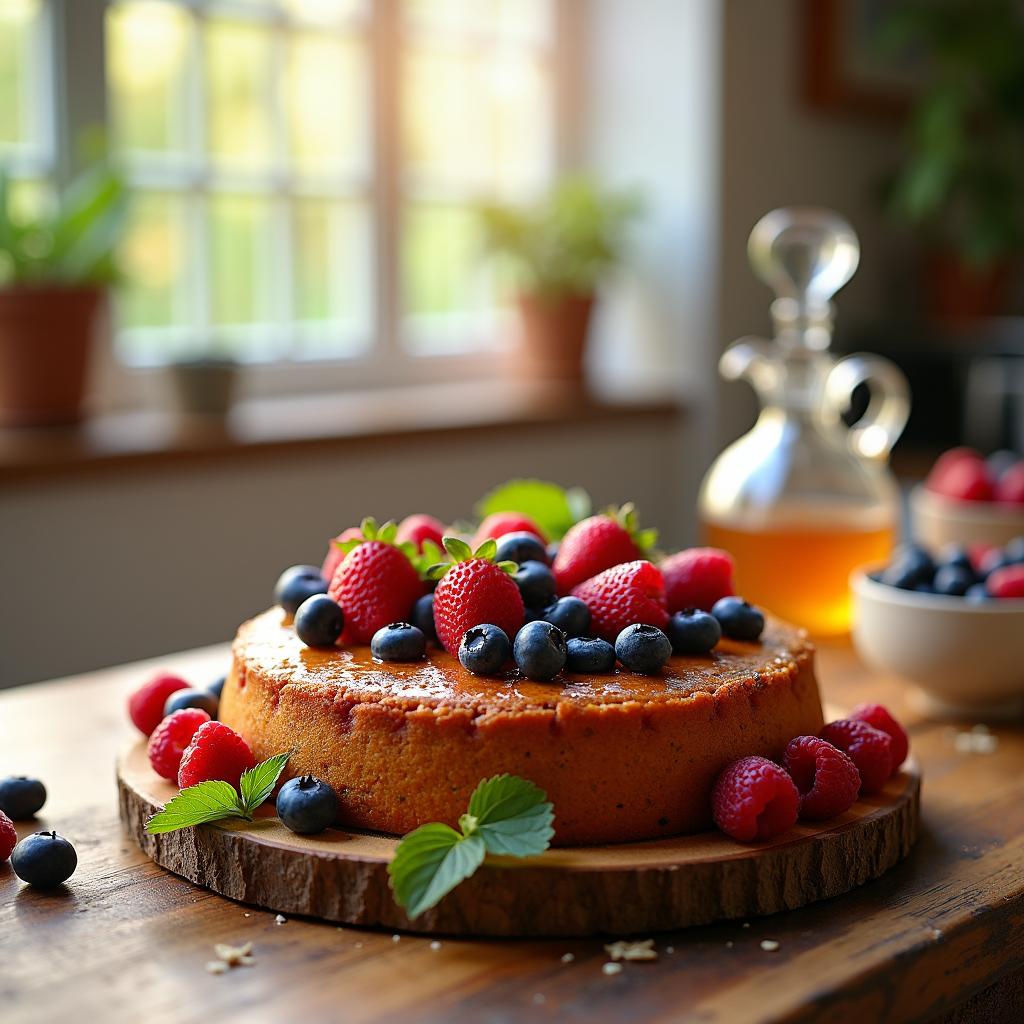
{"x":565,"y":243}
{"x":554,"y":509}
{"x":962,"y":182}
{"x":73,"y":242}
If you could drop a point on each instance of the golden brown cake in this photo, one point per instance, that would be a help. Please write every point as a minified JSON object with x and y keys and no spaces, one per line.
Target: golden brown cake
{"x":622,"y":757}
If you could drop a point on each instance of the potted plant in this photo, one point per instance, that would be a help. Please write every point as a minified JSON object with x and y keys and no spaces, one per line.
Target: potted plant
{"x":205,"y":385}
{"x":558,"y":251}
{"x":54,"y":272}
{"x":962,"y":181}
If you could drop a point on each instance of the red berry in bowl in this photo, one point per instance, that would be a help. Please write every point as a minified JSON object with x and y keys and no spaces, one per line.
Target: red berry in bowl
{"x":146,"y":704}
{"x":869,"y":749}
{"x":8,"y":837}
{"x":878,"y":716}
{"x":1006,"y":582}
{"x":171,"y":737}
{"x":216,"y":752}
{"x":697,"y":578}
{"x":754,"y":798}
{"x":1010,"y":486}
{"x":828,"y":781}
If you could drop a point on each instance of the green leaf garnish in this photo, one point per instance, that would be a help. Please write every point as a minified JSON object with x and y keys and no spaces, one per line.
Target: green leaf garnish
{"x":508,"y":816}
{"x":554,"y":509}
{"x":459,"y":550}
{"x":258,"y":783}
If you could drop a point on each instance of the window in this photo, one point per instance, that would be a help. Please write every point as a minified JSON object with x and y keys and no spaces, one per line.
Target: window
{"x":303,"y":172}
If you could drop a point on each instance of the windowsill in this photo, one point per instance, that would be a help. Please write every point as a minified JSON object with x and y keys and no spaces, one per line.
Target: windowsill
{"x":145,"y":440}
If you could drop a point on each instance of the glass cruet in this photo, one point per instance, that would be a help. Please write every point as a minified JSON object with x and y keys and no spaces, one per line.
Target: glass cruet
{"x":803,"y":499}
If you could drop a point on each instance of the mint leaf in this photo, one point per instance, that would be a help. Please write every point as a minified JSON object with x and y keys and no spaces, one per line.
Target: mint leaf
{"x":258,"y":783}
{"x":551,"y":507}
{"x":429,"y":863}
{"x":206,"y":801}
{"x":512,"y":816}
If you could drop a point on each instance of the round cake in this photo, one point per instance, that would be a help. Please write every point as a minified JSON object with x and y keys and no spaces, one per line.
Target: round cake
{"x":622,"y":757}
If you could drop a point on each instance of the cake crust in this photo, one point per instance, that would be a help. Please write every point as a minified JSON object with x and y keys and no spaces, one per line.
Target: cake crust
{"x":622,"y":757}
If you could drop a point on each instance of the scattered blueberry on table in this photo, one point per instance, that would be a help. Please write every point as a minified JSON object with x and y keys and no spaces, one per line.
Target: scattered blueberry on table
{"x":44,"y":860}
{"x":21,"y":798}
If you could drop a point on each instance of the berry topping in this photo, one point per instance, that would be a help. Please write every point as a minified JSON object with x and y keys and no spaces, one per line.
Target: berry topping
{"x":44,"y":860}
{"x":21,"y":798}
{"x":570,"y":615}
{"x":953,"y":580}
{"x":1010,"y":488}
{"x":498,"y":524}
{"x":422,"y":616}
{"x":307,"y":805}
{"x":484,"y":650}
{"x":869,"y":748}
{"x":216,"y":752}
{"x":521,"y":547}
{"x":146,"y":704}
{"x":910,"y":567}
{"x":171,"y":737}
{"x":644,"y":649}
{"x":474,"y":590}
{"x":977,"y":593}
{"x":880,"y":717}
{"x":539,"y":650}
{"x":8,"y":837}
{"x":739,"y":619}
{"x":598,"y":543}
{"x":337,"y":550}
{"x":294,"y":585}
{"x":398,"y":641}
{"x":420,"y":528}
{"x":319,"y":621}
{"x":589,"y":655}
{"x":623,"y":595}
{"x":754,"y":798}
{"x":1006,"y":582}
{"x":693,"y":631}
{"x":536,"y":583}
{"x":827,"y":779}
{"x":192,"y":699}
{"x":961,"y":473}
{"x":697,"y":578}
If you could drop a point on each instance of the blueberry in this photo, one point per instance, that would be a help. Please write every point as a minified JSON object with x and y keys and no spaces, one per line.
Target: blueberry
{"x":956,"y":555}
{"x":294,"y":585}
{"x":924,"y":588}
{"x":319,"y":621}
{"x":422,"y":617}
{"x":192,"y":699}
{"x":1014,"y":551}
{"x":217,"y":686}
{"x":589,"y":654}
{"x":739,"y":619}
{"x":999,"y":462}
{"x":642,"y":648}
{"x":539,"y":650}
{"x":307,"y":805}
{"x":953,"y":580}
{"x":521,"y":547}
{"x":44,"y":860}
{"x":693,"y":631}
{"x":552,"y":550}
{"x":977,"y":593}
{"x":398,"y":641}
{"x":536,"y":584}
{"x":910,"y":565}
{"x":570,"y":615}
{"x":992,"y":560}
{"x":484,"y":650}
{"x":21,"y":797}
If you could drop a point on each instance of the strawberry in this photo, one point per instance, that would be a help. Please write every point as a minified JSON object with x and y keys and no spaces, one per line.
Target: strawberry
{"x":620,"y":596}
{"x":961,"y":473}
{"x":697,"y":578}
{"x":473,"y":591}
{"x":499,"y":523}
{"x":376,"y":582}
{"x":598,"y":543}
{"x":419,"y":528}
{"x":1006,"y":582}
{"x":335,"y":555}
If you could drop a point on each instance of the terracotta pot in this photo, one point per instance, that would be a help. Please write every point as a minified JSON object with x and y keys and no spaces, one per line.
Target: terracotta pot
{"x":957,"y":292}
{"x":205,"y":386}
{"x":46,"y":336}
{"x":554,"y":335}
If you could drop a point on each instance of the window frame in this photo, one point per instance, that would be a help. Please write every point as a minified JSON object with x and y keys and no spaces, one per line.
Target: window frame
{"x":79,"y":101}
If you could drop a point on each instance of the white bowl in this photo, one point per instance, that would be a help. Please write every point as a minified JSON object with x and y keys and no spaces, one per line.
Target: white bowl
{"x":937,"y":521}
{"x":966,"y":659}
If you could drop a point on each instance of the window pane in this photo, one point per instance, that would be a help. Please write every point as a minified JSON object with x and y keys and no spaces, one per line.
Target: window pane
{"x":240,"y":252}
{"x":19,"y":25}
{"x":324,"y":10}
{"x":147,"y":69}
{"x":525,"y":20}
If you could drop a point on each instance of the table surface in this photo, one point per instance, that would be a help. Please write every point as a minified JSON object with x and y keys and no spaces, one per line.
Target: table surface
{"x":939,"y":936}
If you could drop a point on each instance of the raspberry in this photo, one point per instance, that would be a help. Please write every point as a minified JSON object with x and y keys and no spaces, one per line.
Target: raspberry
{"x":697,"y":578}
{"x":880,"y":718}
{"x":754,"y":798}
{"x":216,"y":752}
{"x":869,"y":749}
{"x":1006,"y":582}
{"x":171,"y":737}
{"x":827,"y":779}
{"x":146,"y":704}
{"x":8,"y":837}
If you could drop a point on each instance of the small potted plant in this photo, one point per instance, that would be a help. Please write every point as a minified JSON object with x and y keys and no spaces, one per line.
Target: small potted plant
{"x":961,"y":184}
{"x":205,"y":384}
{"x":558,"y":251}
{"x":55,"y":269}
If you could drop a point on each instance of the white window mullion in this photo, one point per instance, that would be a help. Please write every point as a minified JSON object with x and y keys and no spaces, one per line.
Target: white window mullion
{"x":197,"y":237}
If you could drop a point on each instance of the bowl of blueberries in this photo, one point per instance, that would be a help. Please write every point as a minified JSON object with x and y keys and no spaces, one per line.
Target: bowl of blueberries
{"x":951,"y":622}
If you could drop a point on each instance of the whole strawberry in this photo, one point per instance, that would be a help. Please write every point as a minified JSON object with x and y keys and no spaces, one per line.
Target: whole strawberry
{"x":623,"y":595}
{"x":697,"y":578}
{"x":376,"y":583}
{"x":599,"y":542}
{"x":498,"y":524}
{"x":475,"y":590}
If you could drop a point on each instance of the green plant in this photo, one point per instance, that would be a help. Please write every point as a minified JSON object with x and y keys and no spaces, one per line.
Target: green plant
{"x":962,"y":182}
{"x":563,"y":244}
{"x":72,"y":243}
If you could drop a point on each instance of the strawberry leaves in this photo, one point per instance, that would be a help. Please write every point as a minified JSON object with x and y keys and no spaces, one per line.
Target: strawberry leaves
{"x":459,"y":551}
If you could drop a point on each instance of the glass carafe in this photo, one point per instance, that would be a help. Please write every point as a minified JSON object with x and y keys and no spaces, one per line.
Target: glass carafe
{"x":803,"y":499}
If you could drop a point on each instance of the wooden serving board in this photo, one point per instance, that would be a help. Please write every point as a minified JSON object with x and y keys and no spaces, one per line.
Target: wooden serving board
{"x":623,"y":889}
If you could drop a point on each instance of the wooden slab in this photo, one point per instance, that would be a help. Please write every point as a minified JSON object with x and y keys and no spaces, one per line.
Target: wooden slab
{"x":621,"y":889}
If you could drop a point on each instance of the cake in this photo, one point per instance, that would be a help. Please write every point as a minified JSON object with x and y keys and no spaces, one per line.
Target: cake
{"x":622,"y":757}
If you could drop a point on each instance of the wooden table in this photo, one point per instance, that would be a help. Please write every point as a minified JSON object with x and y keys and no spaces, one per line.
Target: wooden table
{"x":940,"y":937}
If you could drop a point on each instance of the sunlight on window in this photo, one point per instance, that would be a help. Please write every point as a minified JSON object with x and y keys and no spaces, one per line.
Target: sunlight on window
{"x":155,"y":250}
{"x":19,"y":25}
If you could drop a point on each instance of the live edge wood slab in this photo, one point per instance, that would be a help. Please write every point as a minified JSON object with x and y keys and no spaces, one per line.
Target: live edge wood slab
{"x":940,"y":936}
